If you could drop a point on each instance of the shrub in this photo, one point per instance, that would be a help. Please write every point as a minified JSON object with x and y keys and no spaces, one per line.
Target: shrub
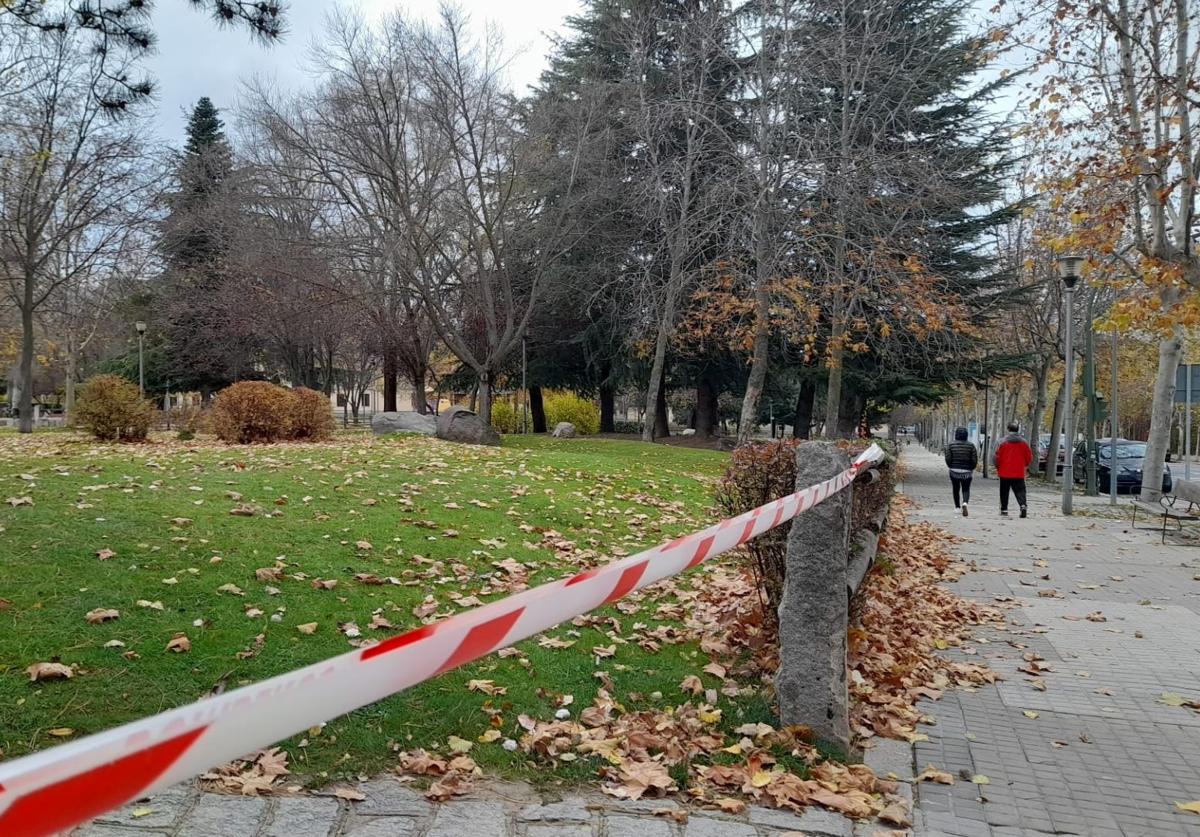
{"x":311,"y":418}
{"x":111,"y":408}
{"x":506,"y":417}
{"x":761,"y":472}
{"x":634,"y":427}
{"x":758,"y":473}
{"x":567,"y":406}
{"x":252,"y":411}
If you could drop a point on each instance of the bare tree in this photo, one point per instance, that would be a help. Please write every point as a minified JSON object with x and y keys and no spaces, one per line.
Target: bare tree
{"x":413,"y":131}
{"x":1129,"y":175}
{"x":680,"y":77}
{"x":71,"y":185}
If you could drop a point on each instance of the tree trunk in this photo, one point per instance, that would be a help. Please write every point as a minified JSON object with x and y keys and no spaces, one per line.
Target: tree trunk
{"x":1056,"y":423}
{"x":1041,"y":383}
{"x":849,"y":414}
{"x":391,"y":375}
{"x":537,"y":410}
{"x":657,"y":376}
{"x":69,"y":387}
{"x":607,"y":409}
{"x":802,"y":423}
{"x":417,"y":379}
{"x":485,"y":397}
{"x":706,"y":409}
{"x":833,"y":394}
{"x":1170,"y":349}
{"x":26,"y":369}
{"x":662,"y":427}
{"x":758,"y":366}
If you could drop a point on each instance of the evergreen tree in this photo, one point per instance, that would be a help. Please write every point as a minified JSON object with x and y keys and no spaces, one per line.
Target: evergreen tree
{"x":204,"y":346}
{"x":908,"y":166}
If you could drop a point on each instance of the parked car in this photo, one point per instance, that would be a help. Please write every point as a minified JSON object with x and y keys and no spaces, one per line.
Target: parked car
{"x":1044,"y":447}
{"x":1130,"y":455}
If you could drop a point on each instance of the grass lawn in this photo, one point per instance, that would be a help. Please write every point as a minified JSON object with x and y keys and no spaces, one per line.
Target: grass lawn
{"x":111,"y":526}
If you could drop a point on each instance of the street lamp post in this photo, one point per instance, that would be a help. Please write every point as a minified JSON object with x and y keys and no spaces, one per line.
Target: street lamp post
{"x":1089,"y":386}
{"x":1114,"y":467}
{"x":141,"y":331}
{"x":1068,"y":271}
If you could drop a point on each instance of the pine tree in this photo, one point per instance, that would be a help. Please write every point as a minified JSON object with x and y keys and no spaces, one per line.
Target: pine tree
{"x":909,"y":169}
{"x":203,"y":347}
{"x":204,"y":128}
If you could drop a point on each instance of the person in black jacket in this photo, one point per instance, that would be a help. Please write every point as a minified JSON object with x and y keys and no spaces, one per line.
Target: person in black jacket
{"x":961,"y":459}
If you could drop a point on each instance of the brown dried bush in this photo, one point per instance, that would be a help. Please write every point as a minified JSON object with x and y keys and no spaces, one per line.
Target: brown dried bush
{"x":112,"y":409}
{"x":312,"y":420}
{"x":253,"y":411}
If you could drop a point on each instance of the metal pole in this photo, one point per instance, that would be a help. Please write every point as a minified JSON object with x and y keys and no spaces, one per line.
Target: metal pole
{"x":1114,"y":469}
{"x":1089,"y":383}
{"x":524,"y":391}
{"x":1187,"y":425}
{"x":986,"y":429}
{"x":141,"y":366}
{"x":1068,"y":420}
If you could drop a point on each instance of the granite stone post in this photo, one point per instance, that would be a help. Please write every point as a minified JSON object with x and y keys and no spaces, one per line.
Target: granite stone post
{"x":813,"y":613}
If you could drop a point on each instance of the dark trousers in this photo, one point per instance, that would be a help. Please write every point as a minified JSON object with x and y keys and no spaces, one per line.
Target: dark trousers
{"x":1018,"y":488}
{"x":962,"y":488}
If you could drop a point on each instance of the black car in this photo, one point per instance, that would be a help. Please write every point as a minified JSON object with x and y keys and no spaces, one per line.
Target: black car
{"x":1129,"y":465}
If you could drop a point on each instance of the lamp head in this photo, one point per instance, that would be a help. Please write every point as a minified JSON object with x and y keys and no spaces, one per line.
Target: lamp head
{"x":140,"y":326}
{"x":1068,"y":269}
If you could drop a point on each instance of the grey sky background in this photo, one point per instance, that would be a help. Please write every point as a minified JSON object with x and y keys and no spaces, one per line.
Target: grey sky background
{"x":196,"y":58}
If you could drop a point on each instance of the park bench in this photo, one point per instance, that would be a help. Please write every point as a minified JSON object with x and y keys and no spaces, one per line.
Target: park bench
{"x":1180,"y":504}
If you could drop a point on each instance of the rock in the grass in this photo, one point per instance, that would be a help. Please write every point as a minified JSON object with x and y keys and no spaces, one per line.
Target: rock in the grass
{"x":458,"y":424}
{"x":404,"y":422}
{"x":564,"y":430}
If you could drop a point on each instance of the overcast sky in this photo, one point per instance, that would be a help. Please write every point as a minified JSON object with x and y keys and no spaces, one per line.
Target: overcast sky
{"x":195,"y":58}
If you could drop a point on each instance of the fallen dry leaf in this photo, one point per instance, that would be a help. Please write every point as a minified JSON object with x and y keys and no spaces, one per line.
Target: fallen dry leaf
{"x":180,"y":644}
{"x":307,"y":628}
{"x":932,"y":774}
{"x":896,"y":814}
{"x":350,"y":794}
{"x":447,"y":787}
{"x":101,"y":614}
{"x":49,"y":671}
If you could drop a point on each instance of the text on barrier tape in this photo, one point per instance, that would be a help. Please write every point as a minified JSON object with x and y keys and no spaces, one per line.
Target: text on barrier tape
{"x":63,"y":786}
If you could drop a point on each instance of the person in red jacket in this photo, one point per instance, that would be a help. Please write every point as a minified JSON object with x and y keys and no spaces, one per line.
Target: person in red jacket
{"x":1012,"y":460}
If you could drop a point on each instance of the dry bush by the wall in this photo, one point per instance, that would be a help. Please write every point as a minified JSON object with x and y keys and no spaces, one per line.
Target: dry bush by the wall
{"x":761,"y":472}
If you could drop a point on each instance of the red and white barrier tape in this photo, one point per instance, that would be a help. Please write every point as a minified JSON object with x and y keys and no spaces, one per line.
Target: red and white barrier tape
{"x":66,"y":785}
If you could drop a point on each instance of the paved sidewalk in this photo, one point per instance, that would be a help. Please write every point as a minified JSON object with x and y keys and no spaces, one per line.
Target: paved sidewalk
{"x":1097,"y":752}
{"x":497,"y":810}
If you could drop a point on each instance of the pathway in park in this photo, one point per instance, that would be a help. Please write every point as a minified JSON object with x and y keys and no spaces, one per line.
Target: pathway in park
{"x":1115,"y":616}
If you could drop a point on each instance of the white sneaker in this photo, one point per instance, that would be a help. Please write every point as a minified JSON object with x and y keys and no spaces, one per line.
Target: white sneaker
{"x":964,"y":508}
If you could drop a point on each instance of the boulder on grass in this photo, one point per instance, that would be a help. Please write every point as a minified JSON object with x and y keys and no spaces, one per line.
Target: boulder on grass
{"x":403,"y":422}
{"x":564,"y":430}
{"x":458,"y":424}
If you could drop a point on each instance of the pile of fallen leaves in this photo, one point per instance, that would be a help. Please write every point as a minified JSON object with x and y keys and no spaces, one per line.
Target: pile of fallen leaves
{"x":902,"y":617}
{"x":689,"y":748}
{"x":260,"y":773}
